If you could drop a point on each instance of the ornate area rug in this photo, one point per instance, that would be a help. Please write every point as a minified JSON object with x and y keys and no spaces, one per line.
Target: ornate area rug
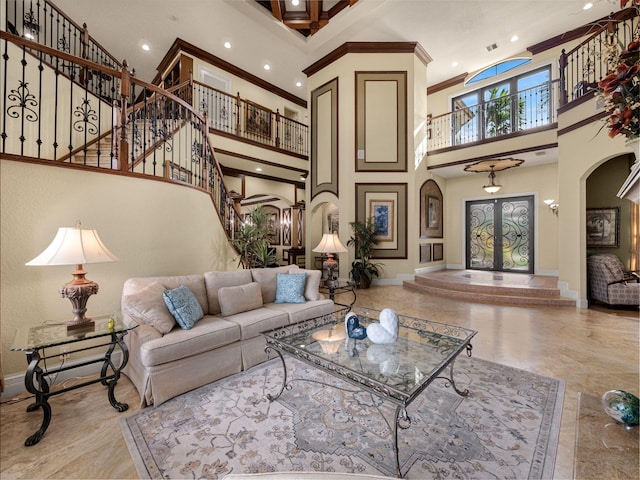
{"x":507,"y":427}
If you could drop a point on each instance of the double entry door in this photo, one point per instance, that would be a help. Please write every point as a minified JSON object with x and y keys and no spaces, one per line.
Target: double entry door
{"x":499,"y":234}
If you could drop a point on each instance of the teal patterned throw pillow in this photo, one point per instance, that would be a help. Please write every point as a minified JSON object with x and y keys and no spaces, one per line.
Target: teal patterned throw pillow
{"x":290,"y":287}
{"x":184,"y":306}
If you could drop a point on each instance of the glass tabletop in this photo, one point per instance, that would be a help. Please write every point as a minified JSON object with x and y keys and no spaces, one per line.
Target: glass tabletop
{"x":50,"y":335}
{"x":400,"y":370}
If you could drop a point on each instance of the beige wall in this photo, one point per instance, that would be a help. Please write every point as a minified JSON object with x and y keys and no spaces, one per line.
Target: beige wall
{"x":344,"y":69}
{"x":153,"y":227}
{"x":538,"y":181}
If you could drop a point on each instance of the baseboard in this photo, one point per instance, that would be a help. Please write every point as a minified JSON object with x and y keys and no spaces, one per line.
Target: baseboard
{"x":436,"y":268}
{"x":398,"y":280}
{"x":14,"y":384}
{"x":566,"y":292}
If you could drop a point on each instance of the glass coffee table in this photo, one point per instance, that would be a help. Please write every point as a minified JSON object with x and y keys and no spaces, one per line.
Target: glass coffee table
{"x":396,"y":372}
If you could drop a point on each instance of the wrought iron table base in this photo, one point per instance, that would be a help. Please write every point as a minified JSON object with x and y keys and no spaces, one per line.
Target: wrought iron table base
{"x":36,"y":383}
{"x":402,"y":420}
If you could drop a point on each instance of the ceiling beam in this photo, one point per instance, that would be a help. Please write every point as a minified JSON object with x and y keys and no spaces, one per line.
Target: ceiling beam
{"x":276,"y":10}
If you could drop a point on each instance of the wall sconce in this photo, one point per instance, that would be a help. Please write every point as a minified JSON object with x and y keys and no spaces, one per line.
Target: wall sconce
{"x":551,"y":203}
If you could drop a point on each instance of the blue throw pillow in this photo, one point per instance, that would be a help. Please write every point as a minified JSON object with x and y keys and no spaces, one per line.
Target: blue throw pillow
{"x":290,"y":287}
{"x":184,"y":306}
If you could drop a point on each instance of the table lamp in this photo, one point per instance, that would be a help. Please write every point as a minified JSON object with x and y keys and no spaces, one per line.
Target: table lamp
{"x":76,"y":246}
{"x":330,"y":244}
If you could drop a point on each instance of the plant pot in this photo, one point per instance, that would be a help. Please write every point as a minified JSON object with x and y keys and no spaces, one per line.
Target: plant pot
{"x":364,"y":283}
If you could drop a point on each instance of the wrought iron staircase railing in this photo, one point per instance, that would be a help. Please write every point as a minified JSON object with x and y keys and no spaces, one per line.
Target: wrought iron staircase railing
{"x":54,"y":112}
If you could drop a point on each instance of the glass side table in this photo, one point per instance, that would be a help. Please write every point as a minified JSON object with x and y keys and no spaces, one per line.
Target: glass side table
{"x":339,"y":286}
{"x":35,"y":341}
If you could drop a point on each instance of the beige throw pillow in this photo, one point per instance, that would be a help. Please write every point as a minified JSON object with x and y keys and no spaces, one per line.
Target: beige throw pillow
{"x":241,"y":298}
{"x":147,"y":306}
{"x":311,"y":292}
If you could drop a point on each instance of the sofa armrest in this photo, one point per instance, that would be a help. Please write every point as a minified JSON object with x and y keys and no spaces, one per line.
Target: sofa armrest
{"x":144,"y":333}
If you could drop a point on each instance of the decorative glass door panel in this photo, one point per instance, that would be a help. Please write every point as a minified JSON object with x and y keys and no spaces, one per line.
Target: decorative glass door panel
{"x":500,"y":234}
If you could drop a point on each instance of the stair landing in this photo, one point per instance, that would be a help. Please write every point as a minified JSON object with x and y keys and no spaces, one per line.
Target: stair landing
{"x":492,"y":287}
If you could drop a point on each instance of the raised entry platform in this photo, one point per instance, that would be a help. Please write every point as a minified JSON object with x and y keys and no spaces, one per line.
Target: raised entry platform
{"x":491,"y":287}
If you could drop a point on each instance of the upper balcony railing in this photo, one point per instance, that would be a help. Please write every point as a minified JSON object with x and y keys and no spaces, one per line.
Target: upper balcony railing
{"x":582,"y":67}
{"x":239,"y":117}
{"x":503,"y":115}
{"x":56,"y":109}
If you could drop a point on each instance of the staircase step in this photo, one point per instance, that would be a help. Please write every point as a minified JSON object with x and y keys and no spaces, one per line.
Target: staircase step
{"x":488,"y":287}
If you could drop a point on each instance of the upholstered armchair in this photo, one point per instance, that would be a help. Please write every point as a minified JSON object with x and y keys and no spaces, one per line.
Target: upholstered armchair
{"x":609,"y":283}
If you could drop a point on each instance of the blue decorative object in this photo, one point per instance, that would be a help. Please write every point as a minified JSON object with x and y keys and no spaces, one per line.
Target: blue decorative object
{"x":352,"y":325}
{"x":184,"y":306}
{"x":622,"y":406}
{"x":290,"y":287}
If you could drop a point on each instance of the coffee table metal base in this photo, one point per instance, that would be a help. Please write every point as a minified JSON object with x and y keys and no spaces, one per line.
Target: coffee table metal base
{"x":402,"y":420}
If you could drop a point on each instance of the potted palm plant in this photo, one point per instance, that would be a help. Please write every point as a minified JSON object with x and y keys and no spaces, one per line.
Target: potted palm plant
{"x":364,"y":239}
{"x":252,"y":242}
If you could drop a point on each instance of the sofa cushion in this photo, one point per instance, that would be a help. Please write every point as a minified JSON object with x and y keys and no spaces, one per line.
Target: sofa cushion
{"x":216,"y":280}
{"x":208,"y":334}
{"x":147,"y":306}
{"x":290,"y":288}
{"x":195,"y":283}
{"x":184,"y":306}
{"x":254,"y":322}
{"x":299,"y":311}
{"x":240,"y":298}
{"x":266,"y":277}
{"x":311,"y":289}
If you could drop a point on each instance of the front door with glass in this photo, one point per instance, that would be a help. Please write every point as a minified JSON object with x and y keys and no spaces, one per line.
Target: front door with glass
{"x":499,"y":234}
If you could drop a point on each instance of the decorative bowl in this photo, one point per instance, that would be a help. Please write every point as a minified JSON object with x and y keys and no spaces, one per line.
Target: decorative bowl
{"x":624,"y":407}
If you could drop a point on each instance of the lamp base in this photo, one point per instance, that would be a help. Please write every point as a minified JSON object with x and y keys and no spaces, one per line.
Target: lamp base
{"x":78,"y":292}
{"x":329,"y":264}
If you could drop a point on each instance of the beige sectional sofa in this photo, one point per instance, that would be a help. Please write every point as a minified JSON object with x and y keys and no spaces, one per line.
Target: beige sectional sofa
{"x":166,"y":360}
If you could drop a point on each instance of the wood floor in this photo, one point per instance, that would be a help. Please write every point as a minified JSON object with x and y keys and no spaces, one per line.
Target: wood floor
{"x":592,"y":350}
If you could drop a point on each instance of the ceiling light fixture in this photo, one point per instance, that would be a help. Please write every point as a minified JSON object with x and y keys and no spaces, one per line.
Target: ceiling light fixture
{"x":454,"y":64}
{"x":298,"y":84}
{"x":227,"y":44}
{"x":267,"y":66}
{"x":587,"y":6}
{"x":514,"y":38}
{"x":295,"y":3}
{"x":258,"y":169}
{"x":145,"y":47}
{"x":492,"y":187}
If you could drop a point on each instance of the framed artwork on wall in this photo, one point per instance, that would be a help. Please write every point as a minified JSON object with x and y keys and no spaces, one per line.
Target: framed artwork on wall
{"x":431,"y":218}
{"x":425,"y":252}
{"x":438,"y":252}
{"x":603,"y":227}
{"x":257,"y":120}
{"x":387,"y":204}
{"x":273,"y":213}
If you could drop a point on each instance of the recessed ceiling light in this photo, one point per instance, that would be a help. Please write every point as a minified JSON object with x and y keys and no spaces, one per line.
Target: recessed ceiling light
{"x":227,"y":44}
{"x":145,"y":47}
{"x":267,"y":66}
{"x":258,"y":169}
{"x":298,"y":84}
{"x":514,"y":38}
{"x":454,"y":64}
{"x":295,"y":3}
{"x":587,"y":6}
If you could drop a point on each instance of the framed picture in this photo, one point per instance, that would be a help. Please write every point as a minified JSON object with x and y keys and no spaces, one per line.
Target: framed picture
{"x":382,"y":212}
{"x":425,"y":253}
{"x":257,"y":120}
{"x":431,"y":218}
{"x":603,"y":227}
{"x":387,"y":204}
{"x":438,"y":252}
{"x":273,"y":218}
{"x":176,"y":172}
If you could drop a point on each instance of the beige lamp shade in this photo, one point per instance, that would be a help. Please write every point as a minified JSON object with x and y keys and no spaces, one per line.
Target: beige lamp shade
{"x":74,"y":246}
{"x":330,"y":243}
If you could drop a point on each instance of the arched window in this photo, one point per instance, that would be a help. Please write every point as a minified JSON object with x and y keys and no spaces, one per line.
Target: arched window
{"x":498,"y":69}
